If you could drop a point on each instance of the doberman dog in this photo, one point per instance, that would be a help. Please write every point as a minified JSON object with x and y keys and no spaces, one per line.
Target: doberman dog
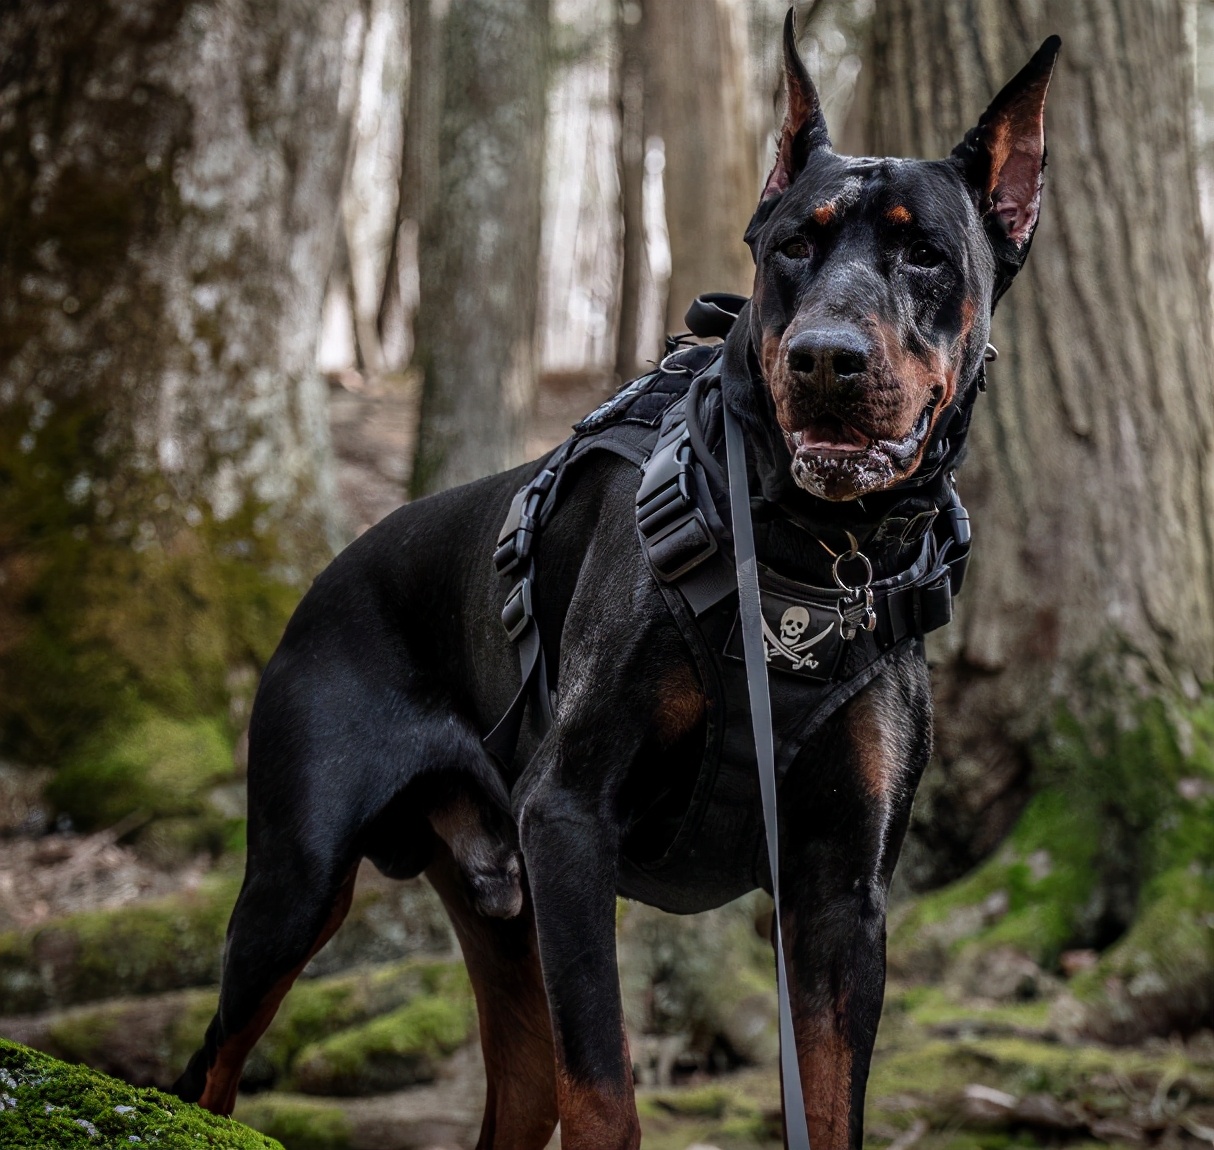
{"x":870,"y":315}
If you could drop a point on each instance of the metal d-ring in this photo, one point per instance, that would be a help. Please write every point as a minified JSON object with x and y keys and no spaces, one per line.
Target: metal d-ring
{"x":855,"y":608}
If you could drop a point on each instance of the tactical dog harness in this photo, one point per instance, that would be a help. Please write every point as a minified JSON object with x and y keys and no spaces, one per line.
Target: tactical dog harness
{"x":711,"y":838}
{"x":701,"y":844}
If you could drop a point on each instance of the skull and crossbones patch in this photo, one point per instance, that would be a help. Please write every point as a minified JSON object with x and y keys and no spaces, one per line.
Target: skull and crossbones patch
{"x":803,"y":638}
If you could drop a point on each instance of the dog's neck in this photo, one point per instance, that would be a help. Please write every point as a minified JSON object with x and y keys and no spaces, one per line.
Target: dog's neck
{"x":795,"y":532}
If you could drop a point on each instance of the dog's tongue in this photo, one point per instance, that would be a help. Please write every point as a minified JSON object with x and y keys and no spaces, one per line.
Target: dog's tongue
{"x":828,"y":434}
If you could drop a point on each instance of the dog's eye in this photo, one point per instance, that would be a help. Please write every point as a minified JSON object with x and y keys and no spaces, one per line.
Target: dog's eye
{"x":923,"y":255}
{"x":797,"y":248}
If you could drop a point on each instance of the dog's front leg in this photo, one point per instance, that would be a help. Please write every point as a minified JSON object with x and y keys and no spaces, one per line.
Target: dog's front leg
{"x":843,"y":829}
{"x":570,"y":839}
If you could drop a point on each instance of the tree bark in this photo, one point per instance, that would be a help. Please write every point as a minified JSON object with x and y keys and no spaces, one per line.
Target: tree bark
{"x":480,"y":235}
{"x":631,"y":81}
{"x":697,"y":100}
{"x":1090,"y":477}
{"x":169,"y":180}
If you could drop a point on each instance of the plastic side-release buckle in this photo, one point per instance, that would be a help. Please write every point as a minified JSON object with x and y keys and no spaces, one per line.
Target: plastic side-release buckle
{"x":933,"y":604}
{"x":517,"y":612}
{"x":674,"y":531}
{"x":522,"y":520}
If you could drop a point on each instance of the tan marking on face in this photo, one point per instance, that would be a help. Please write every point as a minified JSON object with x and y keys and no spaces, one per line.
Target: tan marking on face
{"x":681,"y":705}
{"x":823,"y":214}
{"x":899,"y":214}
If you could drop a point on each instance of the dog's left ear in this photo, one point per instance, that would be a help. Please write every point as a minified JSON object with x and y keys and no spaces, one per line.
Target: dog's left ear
{"x":804,"y":127}
{"x":1003,"y":158}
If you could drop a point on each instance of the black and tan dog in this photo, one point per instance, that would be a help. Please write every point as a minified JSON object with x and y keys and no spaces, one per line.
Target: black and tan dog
{"x":872,"y":299}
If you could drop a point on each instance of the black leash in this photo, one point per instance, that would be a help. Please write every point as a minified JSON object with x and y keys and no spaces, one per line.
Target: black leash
{"x":751,"y":614}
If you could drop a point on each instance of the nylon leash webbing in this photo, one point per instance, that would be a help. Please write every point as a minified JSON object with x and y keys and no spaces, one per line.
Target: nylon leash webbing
{"x":796,"y":1132}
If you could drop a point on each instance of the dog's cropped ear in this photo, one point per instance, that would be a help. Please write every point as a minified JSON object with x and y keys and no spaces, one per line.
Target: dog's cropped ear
{"x":1003,"y":158}
{"x":804,"y":127}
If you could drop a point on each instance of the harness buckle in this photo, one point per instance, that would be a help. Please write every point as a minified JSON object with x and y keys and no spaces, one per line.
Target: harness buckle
{"x":517,"y":612}
{"x":675,"y":532}
{"x":855,"y":606}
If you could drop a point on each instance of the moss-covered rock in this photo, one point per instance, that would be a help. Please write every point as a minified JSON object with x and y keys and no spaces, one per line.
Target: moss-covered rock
{"x":1160,"y":977}
{"x":147,"y":1041}
{"x":397,"y":1049}
{"x":1119,"y":837}
{"x":177,"y":942}
{"x":47,"y":1103}
{"x":298,"y":1123}
{"x":143,"y":948}
{"x":709,"y":978}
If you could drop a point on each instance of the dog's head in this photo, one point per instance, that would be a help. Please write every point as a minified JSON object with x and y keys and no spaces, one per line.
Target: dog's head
{"x":876,"y":277}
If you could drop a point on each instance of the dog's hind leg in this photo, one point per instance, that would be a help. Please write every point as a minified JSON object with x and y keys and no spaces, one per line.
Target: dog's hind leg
{"x":283,"y":916}
{"x":516,"y":1036}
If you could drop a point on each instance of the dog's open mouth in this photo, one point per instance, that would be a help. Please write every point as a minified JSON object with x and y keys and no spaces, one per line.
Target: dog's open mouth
{"x":836,"y":460}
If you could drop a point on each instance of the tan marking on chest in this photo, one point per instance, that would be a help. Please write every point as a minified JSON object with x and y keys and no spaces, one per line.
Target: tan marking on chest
{"x":681,"y":705}
{"x":878,"y":751}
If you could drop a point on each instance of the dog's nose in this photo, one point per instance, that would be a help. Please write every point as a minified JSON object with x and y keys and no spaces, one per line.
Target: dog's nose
{"x":841,"y":352}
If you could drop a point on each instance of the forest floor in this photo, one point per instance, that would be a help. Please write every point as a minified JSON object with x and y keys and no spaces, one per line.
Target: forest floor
{"x":950,"y":1073}
{"x":109,"y":955}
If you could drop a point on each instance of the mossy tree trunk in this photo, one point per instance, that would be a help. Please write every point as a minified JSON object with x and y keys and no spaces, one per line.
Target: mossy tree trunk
{"x":169,"y":181}
{"x":476,"y":124}
{"x":1076,"y":670}
{"x":697,"y":101}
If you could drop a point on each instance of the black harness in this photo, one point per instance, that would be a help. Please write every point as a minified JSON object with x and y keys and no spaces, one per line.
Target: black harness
{"x":700,"y":843}
{"x":706,"y":840}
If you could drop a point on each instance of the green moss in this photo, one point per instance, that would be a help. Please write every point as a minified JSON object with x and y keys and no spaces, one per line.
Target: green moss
{"x":318,"y":1008}
{"x":158,"y":765}
{"x":299,"y":1123}
{"x":396,"y":1049}
{"x":1160,"y":976}
{"x":46,"y":1103}
{"x":147,"y":947}
{"x":1125,"y":795}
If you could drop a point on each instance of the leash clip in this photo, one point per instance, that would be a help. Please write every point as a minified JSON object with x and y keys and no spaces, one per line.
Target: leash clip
{"x":855,"y":607}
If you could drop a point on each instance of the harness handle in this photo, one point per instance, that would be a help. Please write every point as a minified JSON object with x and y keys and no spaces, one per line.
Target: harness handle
{"x":751,"y":613}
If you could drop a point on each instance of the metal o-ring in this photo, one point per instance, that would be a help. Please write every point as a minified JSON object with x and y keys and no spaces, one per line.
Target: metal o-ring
{"x":853,"y":554}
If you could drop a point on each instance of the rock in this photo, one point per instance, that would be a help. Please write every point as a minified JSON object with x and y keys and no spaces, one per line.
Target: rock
{"x":176,"y":942}
{"x":23,"y":809}
{"x":702,"y":976}
{"x":1002,"y":973}
{"x":1159,"y":978}
{"x":397,"y":1049}
{"x":147,"y":1041}
{"x":45,"y":1102}
{"x":443,"y":1115}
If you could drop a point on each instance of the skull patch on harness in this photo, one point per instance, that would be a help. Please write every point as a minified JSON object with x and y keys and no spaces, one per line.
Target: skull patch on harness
{"x":803,"y":638}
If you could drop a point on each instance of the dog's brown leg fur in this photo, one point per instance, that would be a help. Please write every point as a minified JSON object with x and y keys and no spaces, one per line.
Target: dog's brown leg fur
{"x":223,"y":1078}
{"x":516,"y":1037}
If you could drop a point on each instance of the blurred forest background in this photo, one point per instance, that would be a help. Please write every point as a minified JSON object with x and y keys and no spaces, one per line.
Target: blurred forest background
{"x":270,"y":267}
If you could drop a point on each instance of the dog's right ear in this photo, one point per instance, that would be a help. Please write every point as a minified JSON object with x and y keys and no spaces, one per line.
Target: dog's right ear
{"x":804,"y":128}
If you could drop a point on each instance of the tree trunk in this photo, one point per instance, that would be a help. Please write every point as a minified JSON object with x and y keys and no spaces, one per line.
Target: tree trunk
{"x":480,"y":236}
{"x":631,"y":81}
{"x":169,"y":180}
{"x":1087,"y":623}
{"x":697,"y":99}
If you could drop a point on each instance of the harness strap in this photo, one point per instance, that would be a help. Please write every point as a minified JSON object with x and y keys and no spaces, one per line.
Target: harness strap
{"x":750,"y":609}
{"x":518,"y":617}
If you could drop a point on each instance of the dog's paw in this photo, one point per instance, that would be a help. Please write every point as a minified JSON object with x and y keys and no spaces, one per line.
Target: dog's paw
{"x":499,"y":892}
